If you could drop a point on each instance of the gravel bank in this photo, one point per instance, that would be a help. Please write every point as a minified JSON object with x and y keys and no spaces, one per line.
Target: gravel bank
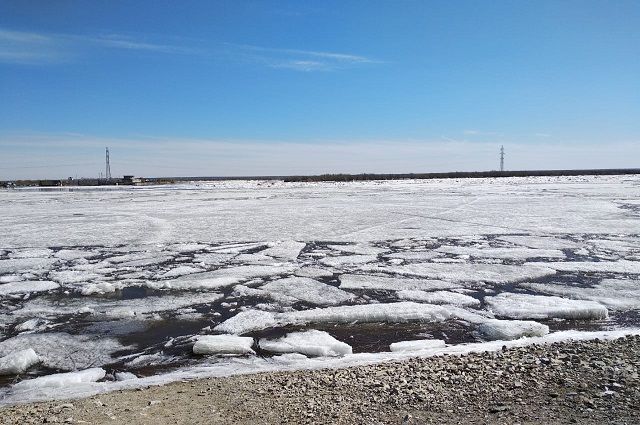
{"x":580,"y":382}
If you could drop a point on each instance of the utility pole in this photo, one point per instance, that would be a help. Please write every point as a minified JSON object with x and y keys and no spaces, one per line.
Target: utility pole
{"x":501,"y":159}
{"x":108,"y":167}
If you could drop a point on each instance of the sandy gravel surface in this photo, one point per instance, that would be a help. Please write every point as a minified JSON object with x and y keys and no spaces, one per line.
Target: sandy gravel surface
{"x":581,"y":382}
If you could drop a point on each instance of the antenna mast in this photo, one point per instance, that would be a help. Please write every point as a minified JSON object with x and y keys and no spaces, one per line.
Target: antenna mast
{"x":108,"y":166}
{"x":501,"y":158}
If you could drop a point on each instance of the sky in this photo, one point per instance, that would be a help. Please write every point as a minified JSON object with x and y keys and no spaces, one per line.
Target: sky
{"x":239,"y":88}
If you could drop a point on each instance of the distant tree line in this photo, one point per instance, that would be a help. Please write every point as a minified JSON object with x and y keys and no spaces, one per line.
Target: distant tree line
{"x":459,"y":175}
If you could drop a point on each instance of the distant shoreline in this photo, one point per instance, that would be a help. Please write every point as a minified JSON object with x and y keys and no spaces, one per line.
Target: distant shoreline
{"x":339,"y":177}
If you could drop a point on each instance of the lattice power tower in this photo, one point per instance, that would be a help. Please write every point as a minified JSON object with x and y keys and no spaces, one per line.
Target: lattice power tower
{"x":107,"y":174}
{"x":501,"y":158}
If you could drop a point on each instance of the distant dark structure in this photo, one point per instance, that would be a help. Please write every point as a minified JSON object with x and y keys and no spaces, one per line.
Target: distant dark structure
{"x":49,"y":183}
{"x":107,"y":174}
{"x":502,"y":159}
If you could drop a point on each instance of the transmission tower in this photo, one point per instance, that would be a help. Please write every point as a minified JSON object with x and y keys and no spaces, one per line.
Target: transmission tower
{"x":501,"y":158}
{"x":107,"y":174}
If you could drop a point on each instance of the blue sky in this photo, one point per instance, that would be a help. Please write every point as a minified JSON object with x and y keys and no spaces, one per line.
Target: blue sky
{"x":261,"y":87}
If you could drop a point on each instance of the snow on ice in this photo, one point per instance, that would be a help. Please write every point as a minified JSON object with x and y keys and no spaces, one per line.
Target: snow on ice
{"x":310,"y":343}
{"x":438,"y":297}
{"x":507,"y":330}
{"x":419,"y":345}
{"x":223,"y":344}
{"x":524,"y":306}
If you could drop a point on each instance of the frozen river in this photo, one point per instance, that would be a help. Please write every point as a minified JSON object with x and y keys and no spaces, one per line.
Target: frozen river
{"x":135,"y":286}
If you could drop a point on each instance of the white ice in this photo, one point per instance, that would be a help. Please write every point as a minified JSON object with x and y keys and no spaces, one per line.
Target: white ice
{"x":74,"y":254}
{"x":438,"y":297}
{"x":27,"y":286}
{"x":124,"y":376}
{"x":524,"y":306}
{"x":490,"y":273}
{"x":223,"y":344}
{"x":400,"y":312}
{"x":515,"y":253}
{"x":541,"y":242}
{"x":14,"y":265}
{"x":616,"y":294}
{"x":291,"y":362}
{"x":221,"y":277}
{"x":313,"y":272}
{"x":507,"y":330}
{"x":422,"y":344}
{"x":359,"y":249}
{"x":308,"y":290}
{"x":180,"y":271}
{"x":63,"y":351}
{"x":60,"y":380}
{"x":354,"y":212}
{"x":347,"y":260}
{"x":413,"y":255}
{"x":310,"y":343}
{"x":142,"y":309}
{"x":621,"y":266}
{"x":357,"y":281}
{"x":31,"y":253}
{"x":284,"y":250}
{"x":18,"y":362}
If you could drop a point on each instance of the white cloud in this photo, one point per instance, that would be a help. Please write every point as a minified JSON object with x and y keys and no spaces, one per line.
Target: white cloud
{"x":297,"y":59}
{"x":38,"y":48}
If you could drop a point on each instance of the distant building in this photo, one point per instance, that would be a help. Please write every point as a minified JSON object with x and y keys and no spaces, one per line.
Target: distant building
{"x":49,"y":183}
{"x":132,"y":180}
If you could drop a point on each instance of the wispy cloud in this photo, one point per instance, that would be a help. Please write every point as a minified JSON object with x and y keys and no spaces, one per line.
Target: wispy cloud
{"x":22,"y":47}
{"x":480,"y":133}
{"x":117,"y":41}
{"x":39,"y":48}
{"x":29,"y":48}
{"x":298,"y":59}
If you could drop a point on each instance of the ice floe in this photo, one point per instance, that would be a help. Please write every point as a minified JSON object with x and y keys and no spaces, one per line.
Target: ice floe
{"x":293,"y":361}
{"x":504,"y":253}
{"x":357,"y":281}
{"x":400,"y":312}
{"x":525,"y":306}
{"x":541,"y":242}
{"x":438,"y":297}
{"x":74,"y":254}
{"x":142,"y":308}
{"x":616,"y":294}
{"x":347,"y":260}
{"x":62,"y":351}
{"x":419,"y":345}
{"x":490,"y":273}
{"x":18,"y":362}
{"x":60,"y":380}
{"x":180,"y":271}
{"x":507,"y":330}
{"x":27,"y":286}
{"x":223,"y":344}
{"x":313,"y":272}
{"x":310,"y":343}
{"x":621,"y":266}
{"x":284,"y":250}
{"x":359,"y":249}
{"x":31,"y":253}
{"x":14,"y":265}
{"x":308,"y":290}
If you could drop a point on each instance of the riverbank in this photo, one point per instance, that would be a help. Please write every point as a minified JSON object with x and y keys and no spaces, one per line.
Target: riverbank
{"x":575,"y":382}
